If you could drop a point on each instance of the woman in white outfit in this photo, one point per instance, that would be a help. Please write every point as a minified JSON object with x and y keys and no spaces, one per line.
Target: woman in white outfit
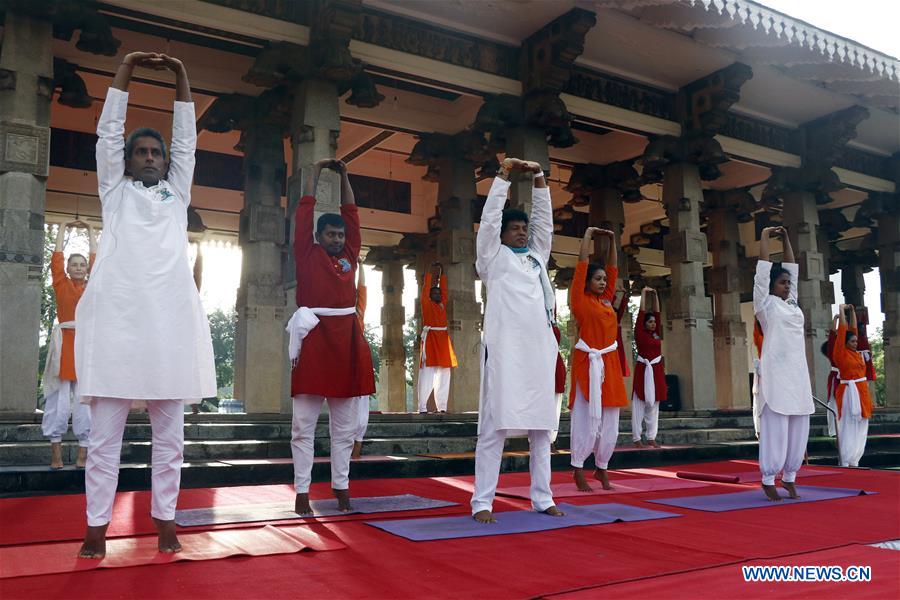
{"x":784,"y":392}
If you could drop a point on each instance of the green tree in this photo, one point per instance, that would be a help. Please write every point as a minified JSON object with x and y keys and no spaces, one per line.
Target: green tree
{"x":876,"y":343}
{"x":375,"y":346}
{"x":222,"y":325}
{"x":48,"y":302}
{"x":410,"y":337}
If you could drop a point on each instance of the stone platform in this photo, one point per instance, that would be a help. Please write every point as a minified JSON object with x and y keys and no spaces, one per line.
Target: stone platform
{"x":230,"y":449}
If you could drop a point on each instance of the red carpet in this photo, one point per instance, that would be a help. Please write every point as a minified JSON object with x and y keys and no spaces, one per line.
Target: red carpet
{"x":728,"y":581}
{"x":376,"y":564}
{"x":45,"y":559}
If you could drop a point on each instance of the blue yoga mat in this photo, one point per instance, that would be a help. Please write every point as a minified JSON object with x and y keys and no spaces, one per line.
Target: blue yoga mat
{"x":279,"y":511}
{"x":526,"y":521}
{"x":757,"y":498}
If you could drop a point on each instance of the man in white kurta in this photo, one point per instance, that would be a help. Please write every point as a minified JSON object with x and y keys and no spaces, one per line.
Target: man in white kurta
{"x":142,"y":332}
{"x":784,"y":393}
{"x":517,"y":390}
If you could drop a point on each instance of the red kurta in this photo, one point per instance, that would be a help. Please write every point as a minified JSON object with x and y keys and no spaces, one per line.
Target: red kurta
{"x":335,"y":360}
{"x":649,"y":346}
{"x":852,"y":366}
{"x":829,"y":351}
{"x":438,"y":347}
{"x":560,"y":364}
{"x":67,"y":293}
{"x":620,"y":312}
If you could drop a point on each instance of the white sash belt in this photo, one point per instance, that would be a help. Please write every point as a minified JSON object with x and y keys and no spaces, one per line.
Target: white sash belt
{"x":305,"y":320}
{"x":50,"y":380}
{"x":851,"y":397}
{"x":866,"y":355}
{"x":596,"y":375}
{"x":425,"y":330}
{"x":649,"y":380}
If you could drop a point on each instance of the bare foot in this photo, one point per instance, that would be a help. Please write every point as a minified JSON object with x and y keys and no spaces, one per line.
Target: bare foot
{"x":82,"y":457}
{"x":554,"y":512}
{"x":484,"y":516}
{"x":638,"y":444}
{"x":791,"y":490}
{"x":301,"y":505}
{"x":56,"y":462}
{"x":653,"y":443}
{"x":771,"y":493}
{"x":94,"y":545}
{"x":581,"y":481}
{"x":343,"y":498}
{"x":168,"y":541}
{"x":601,"y":476}
{"x":553,"y":448}
{"x":357,"y":451}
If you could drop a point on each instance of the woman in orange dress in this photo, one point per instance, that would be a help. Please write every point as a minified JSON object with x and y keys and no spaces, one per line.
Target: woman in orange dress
{"x":598,"y":387}
{"x":853,"y":401}
{"x":60,"y":385}
{"x":362,"y":298}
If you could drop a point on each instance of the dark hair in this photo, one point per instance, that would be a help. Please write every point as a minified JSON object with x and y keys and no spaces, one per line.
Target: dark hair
{"x":593,"y":268}
{"x":333,"y":219}
{"x":143,"y":132}
{"x":73,"y":255}
{"x":849,"y":335}
{"x":824,"y":349}
{"x":510,"y":215}
{"x":776,"y":272}
{"x":648,"y":316}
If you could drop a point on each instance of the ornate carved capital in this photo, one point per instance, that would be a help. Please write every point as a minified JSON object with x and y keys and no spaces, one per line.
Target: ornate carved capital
{"x":818,"y":180}
{"x":230,"y":112}
{"x":69,"y":16}
{"x":379,"y":255}
{"x":739,"y":200}
{"x":620,"y":176}
{"x":539,"y":108}
{"x":433,"y":148}
{"x":547,"y":56}
{"x":73,"y":91}
{"x":694,"y":147}
{"x":823,"y":140}
{"x":704,"y":103}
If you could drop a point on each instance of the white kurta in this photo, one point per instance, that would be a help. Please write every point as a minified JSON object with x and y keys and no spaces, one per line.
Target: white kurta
{"x":519,"y":370}
{"x":142,"y":331}
{"x":783,"y":382}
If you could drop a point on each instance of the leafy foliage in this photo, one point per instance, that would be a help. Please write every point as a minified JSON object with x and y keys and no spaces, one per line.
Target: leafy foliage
{"x":222,"y":325}
{"x":876,"y":343}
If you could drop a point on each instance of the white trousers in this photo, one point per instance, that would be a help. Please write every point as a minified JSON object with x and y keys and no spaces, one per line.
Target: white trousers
{"x":362,"y":418}
{"x":343,"y":422}
{"x":782,"y":443}
{"x":642,"y":416}
{"x":586,"y":440}
{"x":101,"y":475}
{"x":489,"y":454}
{"x":59,"y":405}
{"x":852,"y":433}
{"x":435,"y":379}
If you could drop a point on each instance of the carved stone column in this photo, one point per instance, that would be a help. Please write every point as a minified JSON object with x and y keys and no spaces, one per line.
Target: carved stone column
{"x":452,"y":159}
{"x":889,"y":267}
{"x":729,"y":330}
{"x":392,"y":372}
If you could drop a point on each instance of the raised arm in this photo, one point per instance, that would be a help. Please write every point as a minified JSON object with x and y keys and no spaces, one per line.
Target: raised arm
{"x":487,"y":240}
{"x":655,"y":307}
{"x":540,"y":230}
{"x":184,"y":131}
{"x":765,"y":251}
{"x":587,"y":241}
{"x":61,"y":237}
{"x":644,"y":297}
{"x":853,"y":326}
{"x":349,"y":211}
{"x":787,"y":250}
{"x":198,"y":268}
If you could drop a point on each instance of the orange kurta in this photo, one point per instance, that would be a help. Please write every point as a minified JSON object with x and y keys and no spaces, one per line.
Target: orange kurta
{"x":438,"y":347}
{"x":852,"y":366}
{"x":68,"y":293}
{"x":362,"y":296}
{"x":598,"y":325}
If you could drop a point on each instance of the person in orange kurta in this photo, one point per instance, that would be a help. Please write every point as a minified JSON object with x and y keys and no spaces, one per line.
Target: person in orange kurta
{"x":853,"y":401}
{"x":362,"y":298}
{"x":436,"y":356}
{"x":598,"y":387}
{"x":59,"y":381}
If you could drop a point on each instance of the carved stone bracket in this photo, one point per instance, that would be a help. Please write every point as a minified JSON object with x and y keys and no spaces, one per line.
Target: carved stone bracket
{"x":620,"y":176}
{"x":433,"y":148}
{"x":241,"y":112}
{"x":548,"y":54}
{"x":822,"y":141}
{"x":738,"y":200}
{"x":704,"y":103}
{"x":68,"y":16}
{"x":819,"y":181}
{"x":73,"y":91}
{"x":693,"y":147}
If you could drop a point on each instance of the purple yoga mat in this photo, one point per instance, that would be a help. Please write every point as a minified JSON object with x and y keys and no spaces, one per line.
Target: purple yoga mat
{"x":280,"y":511}
{"x":757,"y":499}
{"x":520,"y":521}
{"x":631,"y":485}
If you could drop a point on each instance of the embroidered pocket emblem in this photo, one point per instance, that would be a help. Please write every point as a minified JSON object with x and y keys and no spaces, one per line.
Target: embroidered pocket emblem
{"x":344,"y":264}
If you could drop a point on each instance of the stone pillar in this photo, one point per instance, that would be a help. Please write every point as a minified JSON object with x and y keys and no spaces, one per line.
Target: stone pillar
{"x":853,"y":284}
{"x":889,"y":268}
{"x":527,"y":143}
{"x":729,"y":330}
{"x":690,"y":312}
{"x":392,"y":373}
{"x":801,"y":218}
{"x":260,"y":366}
{"x":26,"y":73}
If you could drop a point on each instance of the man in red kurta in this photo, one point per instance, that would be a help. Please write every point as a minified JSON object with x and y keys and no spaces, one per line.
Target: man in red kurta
{"x":331,"y":359}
